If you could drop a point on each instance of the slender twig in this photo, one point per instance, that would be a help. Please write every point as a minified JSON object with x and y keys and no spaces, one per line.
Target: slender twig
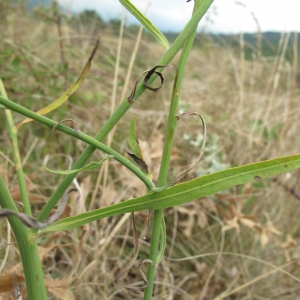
{"x":124,"y":272}
{"x":192,"y":165}
{"x":16,"y":154}
{"x":33,"y":223}
{"x":7,"y":245}
{"x":287,"y":188}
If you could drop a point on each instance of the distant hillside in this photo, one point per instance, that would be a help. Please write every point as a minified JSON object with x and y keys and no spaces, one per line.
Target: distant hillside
{"x":269,"y":42}
{"x":33,"y":3}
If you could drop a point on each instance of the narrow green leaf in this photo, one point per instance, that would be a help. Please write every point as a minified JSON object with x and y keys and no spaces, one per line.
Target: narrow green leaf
{"x":146,"y":22}
{"x":137,"y":154}
{"x":91,"y":166}
{"x":163,"y":241}
{"x":133,"y":142}
{"x":185,"y":192}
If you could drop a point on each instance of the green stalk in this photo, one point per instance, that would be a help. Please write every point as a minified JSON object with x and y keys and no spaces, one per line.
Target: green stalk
{"x":123,"y":108}
{"x":32,"y":267}
{"x":166,"y":156}
{"x":81,"y":136}
{"x":16,"y":154}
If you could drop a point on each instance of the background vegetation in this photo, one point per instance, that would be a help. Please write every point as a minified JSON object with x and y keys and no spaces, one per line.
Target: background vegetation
{"x":247,"y":88}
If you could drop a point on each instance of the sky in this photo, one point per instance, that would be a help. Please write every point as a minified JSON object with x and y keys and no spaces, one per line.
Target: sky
{"x":224,"y":16}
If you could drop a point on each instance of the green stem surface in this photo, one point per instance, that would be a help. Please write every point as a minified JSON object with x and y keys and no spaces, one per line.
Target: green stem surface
{"x":32,"y":267}
{"x":166,"y":156}
{"x":16,"y":155}
{"x":35,"y":285}
{"x":80,"y":136}
{"x":123,"y":108}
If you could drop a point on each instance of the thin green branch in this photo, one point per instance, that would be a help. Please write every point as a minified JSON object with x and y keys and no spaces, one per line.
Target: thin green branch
{"x":167,"y":152}
{"x":81,"y":136}
{"x":16,"y":154}
{"x":28,"y":249}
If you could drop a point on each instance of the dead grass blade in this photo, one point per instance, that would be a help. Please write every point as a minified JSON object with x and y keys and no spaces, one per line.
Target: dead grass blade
{"x":63,"y":121}
{"x":141,"y":163}
{"x":7,"y":245}
{"x":192,"y":165}
{"x":123,"y":273}
{"x":60,"y":288}
{"x":8,"y":280}
{"x":33,"y":223}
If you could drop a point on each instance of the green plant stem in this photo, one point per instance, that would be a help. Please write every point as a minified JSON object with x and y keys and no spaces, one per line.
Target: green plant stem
{"x":16,"y":155}
{"x":32,"y":267}
{"x":166,"y":156}
{"x":81,"y":136}
{"x":123,"y":108}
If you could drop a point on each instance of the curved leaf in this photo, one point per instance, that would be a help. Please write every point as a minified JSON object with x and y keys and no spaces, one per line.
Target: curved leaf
{"x":91,"y":166}
{"x":146,"y":22}
{"x":163,"y":241}
{"x":185,"y":192}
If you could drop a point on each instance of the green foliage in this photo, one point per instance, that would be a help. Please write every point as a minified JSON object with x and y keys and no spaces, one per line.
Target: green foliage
{"x":213,"y":176}
{"x":185,"y":192}
{"x":89,"y":167}
{"x":146,"y":22}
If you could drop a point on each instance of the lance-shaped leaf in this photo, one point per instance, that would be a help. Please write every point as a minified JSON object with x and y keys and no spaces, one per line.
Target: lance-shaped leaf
{"x":32,"y":222}
{"x":137,"y":154}
{"x":185,"y":192}
{"x":146,"y":22}
{"x":71,"y":90}
{"x":183,"y":110}
{"x":133,"y":141}
{"x":91,"y":166}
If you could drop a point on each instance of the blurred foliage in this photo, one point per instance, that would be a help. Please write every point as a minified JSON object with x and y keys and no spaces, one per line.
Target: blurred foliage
{"x":86,"y":18}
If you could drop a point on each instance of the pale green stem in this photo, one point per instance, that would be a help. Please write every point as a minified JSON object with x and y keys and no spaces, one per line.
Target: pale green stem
{"x":16,"y":155}
{"x":32,"y":267}
{"x":36,"y":289}
{"x":81,"y":136}
{"x":166,"y":156}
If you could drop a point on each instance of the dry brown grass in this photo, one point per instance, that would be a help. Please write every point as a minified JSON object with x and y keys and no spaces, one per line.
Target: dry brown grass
{"x":248,"y":237}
